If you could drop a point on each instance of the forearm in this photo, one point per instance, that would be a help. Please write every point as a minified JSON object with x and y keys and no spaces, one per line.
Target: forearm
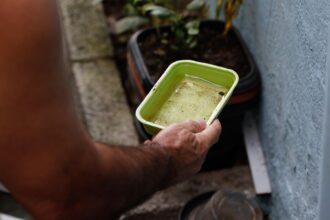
{"x":103,"y":185}
{"x":127,"y":176}
{"x":96,"y":182}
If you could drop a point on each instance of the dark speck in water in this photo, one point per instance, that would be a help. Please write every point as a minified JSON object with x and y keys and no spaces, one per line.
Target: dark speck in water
{"x":221,"y":93}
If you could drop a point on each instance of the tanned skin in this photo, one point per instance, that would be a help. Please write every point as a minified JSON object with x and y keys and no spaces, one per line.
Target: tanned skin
{"x":47,"y":159}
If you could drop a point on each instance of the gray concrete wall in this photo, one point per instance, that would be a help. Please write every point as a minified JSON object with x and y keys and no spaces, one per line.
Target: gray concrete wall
{"x":289,"y":41}
{"x":325,"y":178}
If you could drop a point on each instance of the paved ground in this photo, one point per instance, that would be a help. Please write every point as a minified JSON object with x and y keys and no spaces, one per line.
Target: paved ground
{"x":166,"y":204}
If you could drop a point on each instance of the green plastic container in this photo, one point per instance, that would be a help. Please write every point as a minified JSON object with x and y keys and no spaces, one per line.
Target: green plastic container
{"x":187,"y":90}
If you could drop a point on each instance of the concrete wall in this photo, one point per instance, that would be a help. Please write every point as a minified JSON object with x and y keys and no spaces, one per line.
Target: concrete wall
{"x":289,"y":40}
{"x":325,"y":180}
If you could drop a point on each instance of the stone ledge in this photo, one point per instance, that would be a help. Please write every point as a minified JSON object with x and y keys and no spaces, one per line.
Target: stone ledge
{"x":106,"y":112}
{"x":86,"y":30}
{"x":101,"y":99}
{"x":167,"y":203}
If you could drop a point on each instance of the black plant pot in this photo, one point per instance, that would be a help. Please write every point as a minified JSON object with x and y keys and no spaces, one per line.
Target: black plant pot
{"x":244,"y":98}
{"x":246,"y":92}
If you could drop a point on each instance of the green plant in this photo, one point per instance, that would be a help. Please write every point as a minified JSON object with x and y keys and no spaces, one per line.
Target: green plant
{"x":184,"y":21}
{"x":161,"y":10}
{"x":135,"y":16}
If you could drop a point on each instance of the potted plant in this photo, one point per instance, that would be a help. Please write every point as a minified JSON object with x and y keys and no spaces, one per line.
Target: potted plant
{"x":151,"y":50}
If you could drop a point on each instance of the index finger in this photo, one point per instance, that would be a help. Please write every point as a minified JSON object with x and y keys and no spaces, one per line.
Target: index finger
{"x":211,"y":134}
{"x":193,"y":126}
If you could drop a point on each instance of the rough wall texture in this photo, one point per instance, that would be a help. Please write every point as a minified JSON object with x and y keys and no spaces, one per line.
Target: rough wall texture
{"x":289,"y":41}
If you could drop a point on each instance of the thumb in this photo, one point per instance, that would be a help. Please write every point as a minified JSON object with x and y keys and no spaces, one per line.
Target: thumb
{"x":211,"y":134}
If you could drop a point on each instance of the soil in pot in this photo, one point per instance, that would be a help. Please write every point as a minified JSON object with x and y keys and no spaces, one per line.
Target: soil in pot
{"x":213,"y":47}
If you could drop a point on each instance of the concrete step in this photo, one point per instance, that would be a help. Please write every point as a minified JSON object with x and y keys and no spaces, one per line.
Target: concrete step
{"x":85,"y":30}
{"x":101,"y":98}
{"x":103,"y":102}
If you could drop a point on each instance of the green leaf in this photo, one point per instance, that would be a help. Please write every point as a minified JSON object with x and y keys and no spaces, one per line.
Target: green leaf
{"x":196,"y":5}
{"x":193,"y":44}
{"x":193,"y":27}
{"x":189,"y":39}
{"x":129,"y":24}
{"x":156,"y":10}
{"x":193,"y":31}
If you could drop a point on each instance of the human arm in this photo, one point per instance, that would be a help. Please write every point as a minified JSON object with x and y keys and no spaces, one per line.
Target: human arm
{"x":47,"y":160}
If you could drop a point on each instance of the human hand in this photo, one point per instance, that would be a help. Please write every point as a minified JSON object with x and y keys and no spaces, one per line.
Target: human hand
{"x":187,"y":144}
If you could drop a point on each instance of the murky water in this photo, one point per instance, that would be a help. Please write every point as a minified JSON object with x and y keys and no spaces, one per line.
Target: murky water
{"x":193,"y":98}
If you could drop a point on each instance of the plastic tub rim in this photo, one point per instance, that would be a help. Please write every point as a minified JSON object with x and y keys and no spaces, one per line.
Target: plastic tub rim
{"x":215,"y":112}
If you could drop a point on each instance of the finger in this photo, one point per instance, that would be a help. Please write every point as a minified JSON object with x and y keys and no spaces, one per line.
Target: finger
{"x":202,"y":124}
{"x":147,"y":142}
{"x":211,"y":134}
{"x":193,"y":126}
